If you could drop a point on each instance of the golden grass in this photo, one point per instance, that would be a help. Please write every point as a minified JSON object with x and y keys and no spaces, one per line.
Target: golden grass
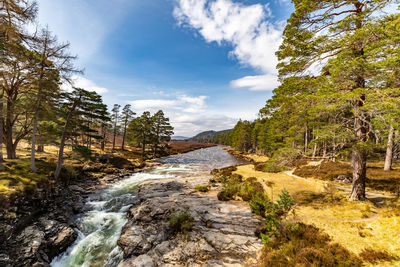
{"x":354,"y":225}
{"x":280,"y":181}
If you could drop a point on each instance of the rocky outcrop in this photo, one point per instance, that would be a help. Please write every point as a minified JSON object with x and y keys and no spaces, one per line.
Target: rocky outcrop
{"x":222,"y":234}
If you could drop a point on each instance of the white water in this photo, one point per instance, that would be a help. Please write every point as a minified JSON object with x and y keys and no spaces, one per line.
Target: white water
{"x":100,"y":227}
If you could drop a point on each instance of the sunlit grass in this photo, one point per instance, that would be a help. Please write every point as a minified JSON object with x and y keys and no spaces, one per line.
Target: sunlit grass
{"x":279,"y":181}
{"x":354,"y":225}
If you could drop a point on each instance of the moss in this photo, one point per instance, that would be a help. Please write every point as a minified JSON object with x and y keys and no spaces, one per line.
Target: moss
{"x":18,"y":178}
{"x":202,"y":188}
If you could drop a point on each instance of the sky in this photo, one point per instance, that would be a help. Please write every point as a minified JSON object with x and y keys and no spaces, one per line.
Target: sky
{"x":205,"y":63}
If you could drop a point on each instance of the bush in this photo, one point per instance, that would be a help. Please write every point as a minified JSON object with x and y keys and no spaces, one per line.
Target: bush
{"x":301,"y":244}
{"x":375,"y":256}
{"x":181,"y":222}
{"x":249,"y":188}
{"x":273,"y":167}
{"x":260,"y":204}
{"x":201,"y":188}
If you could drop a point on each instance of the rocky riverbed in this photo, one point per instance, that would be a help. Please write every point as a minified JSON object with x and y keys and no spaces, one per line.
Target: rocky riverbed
{"x":222,"y":235}
{"x":37,"y":228}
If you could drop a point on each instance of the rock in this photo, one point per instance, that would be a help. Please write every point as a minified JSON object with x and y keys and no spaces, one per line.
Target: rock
{"x":222,"y":233}
{"x":344,"y":179}
{"x":77,"y":188}
{"x":141,"y":261}
{"x":62,"y":240}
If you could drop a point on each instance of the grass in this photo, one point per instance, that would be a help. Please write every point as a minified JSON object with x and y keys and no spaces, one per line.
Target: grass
{"x":280,"y":181}
{"x":356,"y":227}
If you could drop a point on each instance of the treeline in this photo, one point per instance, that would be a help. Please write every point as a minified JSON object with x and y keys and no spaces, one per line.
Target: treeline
{"x":340,"y":88}
{"x":34,"y":107}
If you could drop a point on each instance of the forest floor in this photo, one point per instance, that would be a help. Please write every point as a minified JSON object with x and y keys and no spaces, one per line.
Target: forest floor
{"x":370,"y":229}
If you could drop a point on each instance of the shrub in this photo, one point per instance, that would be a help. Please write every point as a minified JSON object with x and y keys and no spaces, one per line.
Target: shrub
{"x":305,"y":245}
{"x":260,"y":204}
{"x":201,"y":188}
{"x":181,"y":222}
{"x":374,"y":256}
{"x":249,"y":188}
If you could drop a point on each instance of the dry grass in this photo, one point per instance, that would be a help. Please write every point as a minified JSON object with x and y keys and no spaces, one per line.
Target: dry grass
{"x":357,"y":226}
{"x":279,"y":181}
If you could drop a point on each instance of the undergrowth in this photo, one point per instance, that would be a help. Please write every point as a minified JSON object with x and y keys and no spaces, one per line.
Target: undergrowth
{"x":181,"y":222}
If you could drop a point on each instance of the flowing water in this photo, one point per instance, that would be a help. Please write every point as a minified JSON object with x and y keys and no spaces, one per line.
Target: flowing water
{"x":100,"y":227}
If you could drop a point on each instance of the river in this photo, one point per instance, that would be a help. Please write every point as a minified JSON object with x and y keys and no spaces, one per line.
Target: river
{"x":99,"y":228}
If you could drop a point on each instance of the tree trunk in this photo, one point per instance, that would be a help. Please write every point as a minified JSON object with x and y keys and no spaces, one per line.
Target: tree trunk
{"x":306,"y":139}
{"x":314,"y":151}
{"x":62,"y":142}
{"x":2,"y":168}
{"x":389,"y":150}
{"x":40,"y":148}
{"x":11,"y":153}
{"x":115,"y":133}
{"x":60,"y":155}
{"x":34,"y":130}
{"x":359,"y":164}
{"x":123,"y":138}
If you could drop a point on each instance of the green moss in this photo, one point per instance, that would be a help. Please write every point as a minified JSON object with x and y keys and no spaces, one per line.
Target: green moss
{"x":18,"y":178}
{"x":201,"y":188}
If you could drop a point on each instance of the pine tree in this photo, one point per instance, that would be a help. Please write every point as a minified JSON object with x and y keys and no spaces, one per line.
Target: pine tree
{"x":162,"y":130}
{"x":126,"y":117}
{"x":115,"y":117}
{"x":334,"y":32}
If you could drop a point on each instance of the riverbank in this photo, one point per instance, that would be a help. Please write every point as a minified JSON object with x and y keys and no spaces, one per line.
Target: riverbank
{"x":366,"y":231}
{"x":38,"y":225}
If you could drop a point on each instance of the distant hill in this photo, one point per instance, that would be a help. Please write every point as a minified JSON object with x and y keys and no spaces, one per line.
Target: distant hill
{"x":210,"y":136}
{"x":179,"y":138}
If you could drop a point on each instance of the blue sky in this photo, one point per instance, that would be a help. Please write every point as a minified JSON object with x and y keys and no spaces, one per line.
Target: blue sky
{"x":206,"y":63}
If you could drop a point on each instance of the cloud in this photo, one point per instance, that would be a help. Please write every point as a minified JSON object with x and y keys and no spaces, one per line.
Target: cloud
{"x":81,"y":82}
{"x":190,"y":125}
{"x":189,"y":115}
{"x":182,"y":103}
{"x":257,"y":83}
{"x":254,"y":39}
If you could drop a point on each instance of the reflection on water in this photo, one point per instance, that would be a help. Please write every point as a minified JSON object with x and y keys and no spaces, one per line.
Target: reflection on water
{"x":100,"y":227}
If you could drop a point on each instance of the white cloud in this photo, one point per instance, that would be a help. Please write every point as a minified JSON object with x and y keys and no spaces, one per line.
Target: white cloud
{"x":81,"y":82}
{"x":189,"y":115}
{"x":182,"y":103}
{"x":254,"y":39}
{"x":190,"y":125}
{"x":257,"y":83}
{"x":153,"y":104}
